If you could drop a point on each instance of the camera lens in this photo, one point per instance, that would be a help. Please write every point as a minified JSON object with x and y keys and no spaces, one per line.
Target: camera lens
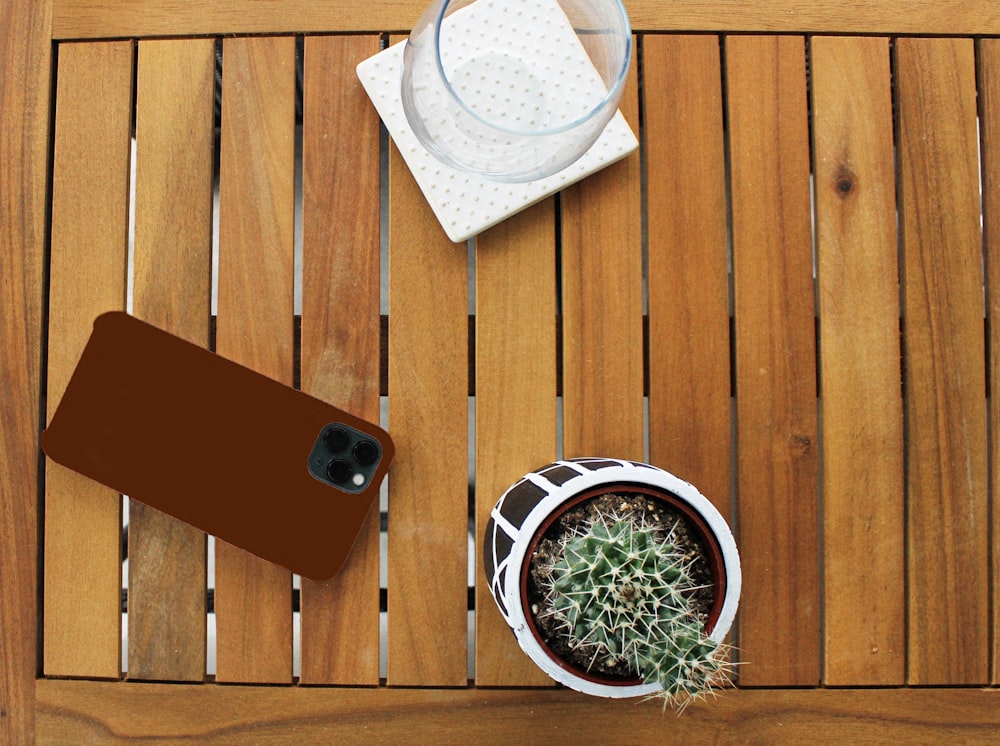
{"x":336,"y":439}
{"x":365,"y":452}
{"x":339,"y":471}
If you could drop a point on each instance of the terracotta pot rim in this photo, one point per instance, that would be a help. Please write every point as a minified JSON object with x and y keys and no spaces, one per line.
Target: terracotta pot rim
{"x":707,"y":537}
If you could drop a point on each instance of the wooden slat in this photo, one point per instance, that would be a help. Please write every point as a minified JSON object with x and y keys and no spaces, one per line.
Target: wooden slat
{"x":26,"y":61}
{"x":689,"y":377}
{"x":944,"y":353}
{"x":340,"y":330}
{"x":82,"y":618}
{"x":96,"y":18}
{"x":515,"y":400}
{"x":775,"y":360}
{"x":255,"y":327}
{"x":86,"y":712}
{"x":428,"y":417}
{"x":989,"y":97}
{"x":862,"y":402}
{"x":175,"y":99}
{"x":602,"y":343}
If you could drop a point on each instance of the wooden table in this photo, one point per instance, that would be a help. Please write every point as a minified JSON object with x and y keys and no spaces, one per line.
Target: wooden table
{"x":790,"y":299}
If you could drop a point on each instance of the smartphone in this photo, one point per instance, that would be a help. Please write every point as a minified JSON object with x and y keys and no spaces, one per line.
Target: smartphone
{"x":254,"y":462}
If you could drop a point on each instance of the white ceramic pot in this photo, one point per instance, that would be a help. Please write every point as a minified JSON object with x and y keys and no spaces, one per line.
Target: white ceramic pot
{"x":529,"y":506}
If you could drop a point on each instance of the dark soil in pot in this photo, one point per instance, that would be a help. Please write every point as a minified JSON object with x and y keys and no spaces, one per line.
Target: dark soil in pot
{"x":622,"y":502}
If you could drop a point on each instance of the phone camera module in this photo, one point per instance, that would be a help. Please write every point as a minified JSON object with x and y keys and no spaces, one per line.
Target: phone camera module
{"x":339,"y":471}
{"x":344,"y":457}
{"x":365,"y":452}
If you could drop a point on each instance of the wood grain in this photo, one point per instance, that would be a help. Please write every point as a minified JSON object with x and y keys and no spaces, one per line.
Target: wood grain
{"x":602,"y":340}
{"x":775,"y":360}
{"x":690,"y":410}
{"x":947,"y":530}
{"x":88,"y":712}
{"x":428,"y":418}
{"x":861,"y":400}
{"x":989,"y":98}
{"x":253,"y":605}
{"x":340,"y":330}
{"x":936,"y":164}
{"x":82,"y":616}
{"x":515,"y":400}
{"x":25,"y":85}
{"x":103,"y":18}
{"x":175,"y":101}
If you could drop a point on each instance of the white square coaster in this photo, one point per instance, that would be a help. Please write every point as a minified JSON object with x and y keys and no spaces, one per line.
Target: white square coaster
{"x":464,"y":203}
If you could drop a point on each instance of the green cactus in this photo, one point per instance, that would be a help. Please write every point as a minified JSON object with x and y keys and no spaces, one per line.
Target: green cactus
{"x":621,"y":591}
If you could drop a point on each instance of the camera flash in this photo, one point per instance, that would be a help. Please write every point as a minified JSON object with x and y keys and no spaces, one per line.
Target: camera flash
{"x":358,"y":479}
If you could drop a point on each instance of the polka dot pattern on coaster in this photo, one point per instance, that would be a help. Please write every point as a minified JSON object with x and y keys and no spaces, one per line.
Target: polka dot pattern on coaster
{"x":530,"y":72}
{"x":509,"y":81}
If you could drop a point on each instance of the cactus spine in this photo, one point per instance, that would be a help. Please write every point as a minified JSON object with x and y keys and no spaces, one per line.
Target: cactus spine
{"x":621,"y":591}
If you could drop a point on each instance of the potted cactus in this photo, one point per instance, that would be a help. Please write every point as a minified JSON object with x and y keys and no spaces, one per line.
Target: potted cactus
{"x":617,"y":578}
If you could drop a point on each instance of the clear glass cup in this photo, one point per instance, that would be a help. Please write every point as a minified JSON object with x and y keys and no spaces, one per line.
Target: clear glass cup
{"x":514,"y":90}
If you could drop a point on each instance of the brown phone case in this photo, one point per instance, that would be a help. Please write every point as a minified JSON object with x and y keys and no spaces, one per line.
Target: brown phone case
{"x":256,"y":463}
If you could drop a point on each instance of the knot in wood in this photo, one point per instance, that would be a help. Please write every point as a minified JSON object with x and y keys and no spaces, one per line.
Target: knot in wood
{"x":845,"y":182}
{"x":800,"y":444}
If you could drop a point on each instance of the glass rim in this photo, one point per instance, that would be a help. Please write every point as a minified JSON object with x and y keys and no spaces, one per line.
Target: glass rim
{"x":613,"y":93}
